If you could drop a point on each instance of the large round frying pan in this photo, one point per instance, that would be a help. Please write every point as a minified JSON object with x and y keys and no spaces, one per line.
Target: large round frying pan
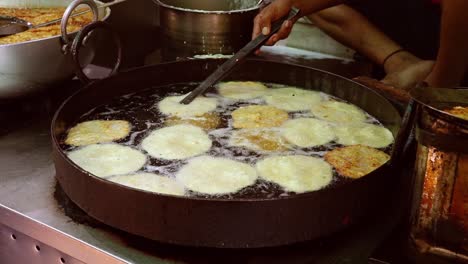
{"x":233,"y":223}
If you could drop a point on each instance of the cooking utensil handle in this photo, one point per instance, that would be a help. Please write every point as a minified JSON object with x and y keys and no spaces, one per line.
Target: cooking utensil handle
{"x":405,"y":134}
{"x":238,"y":58}
{"x":78,"y":42}
{"x":68,"y":12}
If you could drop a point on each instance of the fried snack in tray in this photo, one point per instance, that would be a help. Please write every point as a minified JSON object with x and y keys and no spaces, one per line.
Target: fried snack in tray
{"x":292,"y":99}
{"x":171,"y":106}
{"x":459,"y":111}
{"x":258,"y":116}
{"x":363,"y":134}
{"x":338,"y":112}
{"x":97,"y":131}
{"x":296,"y":173}
{"x":151,"y":182}
{"x":307,"y":132}
{"x":213,"y":175}
{"x":207,"y":121}
{"x":264,"y":139}
{"x":242,"y":90}
{"x":176,"y":142}
{"x":356,"y":161}
{"x":110,"y":159}
{"x":41,"y":15}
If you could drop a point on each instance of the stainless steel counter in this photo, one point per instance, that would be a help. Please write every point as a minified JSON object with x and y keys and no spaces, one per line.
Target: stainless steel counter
{"x":27,"y":185}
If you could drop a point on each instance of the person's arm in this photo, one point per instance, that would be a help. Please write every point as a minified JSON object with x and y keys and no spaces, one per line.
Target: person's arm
{"x":280,"y":8}
{"x":352,"y":29}
{"x":452,"y":59}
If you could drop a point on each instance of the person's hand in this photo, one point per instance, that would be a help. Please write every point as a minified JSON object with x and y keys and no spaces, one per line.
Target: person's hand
{"x":410,"y":75}
{"x":271,"y":13}
{"x":405,"y":71}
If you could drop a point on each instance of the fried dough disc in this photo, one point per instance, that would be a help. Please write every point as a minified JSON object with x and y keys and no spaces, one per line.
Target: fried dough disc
{"x":97,"y":131}
{"x":176,"y":142}
{"x":296,"y":173}
{"x":356,"y":161}
{"x":212,"y":175}
{"x":258,"y":116}
{"x":364,"y":134}
{"x":258,"y":139}
{"x":292,"y":99}
{"x":105,"y":160}
{"x":307,"y":132}
{"x":459,"y":111}
{"x":242,"y":90}
{"x":206,"y":121}
{"x":338,"y":112}
{"x":201,"y":105}
{"x":150,"y":182}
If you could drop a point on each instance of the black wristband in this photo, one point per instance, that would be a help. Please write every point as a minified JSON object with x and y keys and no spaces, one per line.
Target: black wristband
{"x":390,"y":55}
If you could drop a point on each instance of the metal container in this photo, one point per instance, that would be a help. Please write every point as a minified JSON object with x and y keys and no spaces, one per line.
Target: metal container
{"x":242,"y":222}
{"x":206,"y":26}
{"x":439,"y":231}
{"x":32,"y":66}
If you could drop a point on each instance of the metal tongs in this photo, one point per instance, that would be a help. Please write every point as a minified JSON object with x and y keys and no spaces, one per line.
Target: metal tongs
{"x":238,"y":58}
{"x":14,"y":25}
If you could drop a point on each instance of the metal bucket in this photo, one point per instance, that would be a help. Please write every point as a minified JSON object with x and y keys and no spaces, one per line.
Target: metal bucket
{"x":205,"y":26}
{"x":439,"y":231}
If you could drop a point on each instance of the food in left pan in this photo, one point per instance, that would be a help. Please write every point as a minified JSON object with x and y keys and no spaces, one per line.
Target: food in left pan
{"x":459,"y":111}
{"x":38,"y":16}
{"x":245,"y":140}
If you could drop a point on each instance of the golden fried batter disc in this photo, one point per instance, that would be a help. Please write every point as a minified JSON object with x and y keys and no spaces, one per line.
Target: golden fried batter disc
{"x":176,"y":142}
{"x":109,"y":159}
{"x":307,"y":132}
{"x":208,"y":121}
{"x":171,"y":106}
{"x":356,"y":161}
{"x":213,"y":175}
{"x":242,"y":90}
{"x":97,"y":131}
{"x":296,"y":173}
{"x":258,"y":116}
{"x":338,"y":112}
{"x":151,"y":182}
{"x":292,"y":99}
{"x":364,"y":134}
{"x":258,"y":140}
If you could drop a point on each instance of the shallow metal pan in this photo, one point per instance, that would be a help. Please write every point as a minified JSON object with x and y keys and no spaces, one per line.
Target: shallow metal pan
{"x":235,"y":223}
{"x":33,"y":66}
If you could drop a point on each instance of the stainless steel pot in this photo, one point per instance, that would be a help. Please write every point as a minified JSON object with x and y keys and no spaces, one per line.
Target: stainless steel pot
{"x":206,"y":26}
{"x":32,"y":66}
